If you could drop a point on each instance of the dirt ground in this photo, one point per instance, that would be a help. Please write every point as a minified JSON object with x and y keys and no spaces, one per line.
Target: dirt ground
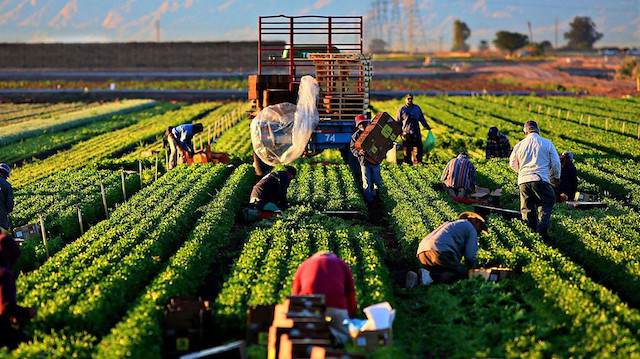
{"x":592,"y":76}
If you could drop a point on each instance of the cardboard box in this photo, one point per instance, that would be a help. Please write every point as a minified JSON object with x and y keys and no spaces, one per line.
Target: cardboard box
{"x":259,"y":320}
{"x":378,"y":138}
{"x":373,"y":339}
{"x":325,"y":353}
{"x":27,"y":231}
{"x":276,"y":96}
{"x":585,"y":205}
{"x":299,"y":348}
{"x":493,"y":274}
{"x":585,"y":197}
{"x":485,"y":194}
{"x":305,"y":305}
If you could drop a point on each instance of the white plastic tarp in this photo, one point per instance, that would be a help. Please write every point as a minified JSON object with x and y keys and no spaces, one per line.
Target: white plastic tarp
{"x":280,"y":132}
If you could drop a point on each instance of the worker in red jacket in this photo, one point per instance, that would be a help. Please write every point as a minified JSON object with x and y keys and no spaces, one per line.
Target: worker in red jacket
{"x":325,"y":273}
{"x":10,"y":312}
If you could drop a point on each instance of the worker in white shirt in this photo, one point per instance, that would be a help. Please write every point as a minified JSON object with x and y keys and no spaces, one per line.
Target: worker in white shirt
{"x":535,"y":159}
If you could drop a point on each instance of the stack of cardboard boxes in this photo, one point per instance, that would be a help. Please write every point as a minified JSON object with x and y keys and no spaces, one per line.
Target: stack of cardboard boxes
{"x":298,"y":326}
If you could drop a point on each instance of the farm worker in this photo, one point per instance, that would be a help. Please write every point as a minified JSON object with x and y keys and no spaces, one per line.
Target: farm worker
{"x":568,"y":185}
{"x":270,"y":193}
{"x":535,"y":159}
{"x":180,"y":142}
{"x":6,"y":197}
{"x":371,"y":177}
{"x":459,"y":176}
{"x":10,"y":312}
{"x":325,"y":273}
{"x":497,"y":144}
{"x":441,"y":251}
{"x":410,"y":116}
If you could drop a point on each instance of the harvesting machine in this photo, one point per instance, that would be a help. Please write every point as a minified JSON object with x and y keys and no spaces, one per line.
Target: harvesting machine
{"x":330,"y":48}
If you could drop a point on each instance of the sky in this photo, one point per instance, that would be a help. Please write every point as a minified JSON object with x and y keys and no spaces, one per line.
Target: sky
{"x":35,"y":21}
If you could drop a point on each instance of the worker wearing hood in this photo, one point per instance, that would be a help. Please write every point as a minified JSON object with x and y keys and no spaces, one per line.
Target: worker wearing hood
{"x":10,"y":312}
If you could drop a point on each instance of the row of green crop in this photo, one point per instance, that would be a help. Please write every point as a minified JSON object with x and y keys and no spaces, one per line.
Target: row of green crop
{"x":236,"y":142}
{"x":326,"y":188}
{"x":107,"y":145}
{"x":48,"y":143}
{"x":98,"y":284}
{"x":596,"y":321}
{"x":58,"y":199}
{"x":17,"y":131}
{"x":576,"y":109}
{"x":552,"y":308}
{"x":263,"y":272}
{"x":415,"y":207}
{"x":215,"y":123}
{"x":596,"y":179}
{"x":608,"y":247}
{"x":20,"y":112}
{"x":606,"y":141}
{"x":449,"y":140}
{"x":138,"y":332}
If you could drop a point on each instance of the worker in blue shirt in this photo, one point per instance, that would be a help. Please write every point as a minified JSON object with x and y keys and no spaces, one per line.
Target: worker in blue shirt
{"x":410,"y":117}
{"x":370,"y":171}
{"x":180,"y":140}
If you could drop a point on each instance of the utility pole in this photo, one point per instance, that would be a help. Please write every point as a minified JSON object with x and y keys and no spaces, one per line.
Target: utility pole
{"x":530,"y":32}
{"x":556,"y":31}
{"x":158,"y":28}
{"x":410,"y":4}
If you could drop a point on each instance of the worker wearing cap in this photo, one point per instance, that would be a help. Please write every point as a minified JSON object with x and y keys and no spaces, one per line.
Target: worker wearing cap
{"x":325,"y":273}
{"x":180,"y":139}
{"x":537,"y":163}
{"x":10,"y":312}
{"x":568,"y":185}
{"x":410,"y":117}
{"x":441,"y":251}
{"x":6,"y":197}
{"x":497,"y":145}
{"x":459,"y":176}
{"x":371,"y":177}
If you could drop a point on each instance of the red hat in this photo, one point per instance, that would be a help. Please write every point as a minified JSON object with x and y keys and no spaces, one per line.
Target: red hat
{"x":361,"y":118}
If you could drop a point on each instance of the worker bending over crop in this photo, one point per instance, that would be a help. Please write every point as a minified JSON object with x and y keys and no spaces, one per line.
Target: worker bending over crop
{"x":410,"y":116}
{"x":6,"y":198}
{"x":537,"y":163}
{"x":180,"y":140}
{"x":497,"y":145}
{"x":325,"y":273}
{"x":371,"y":177}
{"x":11,"y":314}
{"x":270,"y":193}
{"x":459,"y":176}
{"x":441,"y":251}
{"x":566,"y":188}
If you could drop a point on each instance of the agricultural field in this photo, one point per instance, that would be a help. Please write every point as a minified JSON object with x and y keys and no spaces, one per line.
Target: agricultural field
{"x":102,"y":283}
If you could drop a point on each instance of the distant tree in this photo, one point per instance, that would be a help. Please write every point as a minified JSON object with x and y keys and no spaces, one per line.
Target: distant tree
{"x":484,"y":45}
{"x":582,"y":33}
{"x":546,"y":46}
{"x":461,"y":32}
{"x":377,"y":45}
{"x":510,"y":41}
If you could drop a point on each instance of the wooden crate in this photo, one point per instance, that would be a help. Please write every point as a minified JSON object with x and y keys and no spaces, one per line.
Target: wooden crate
{"x":344,"y":81}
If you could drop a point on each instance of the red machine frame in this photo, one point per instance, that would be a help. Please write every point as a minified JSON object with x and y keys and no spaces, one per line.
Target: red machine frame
{"x":271,"y":29}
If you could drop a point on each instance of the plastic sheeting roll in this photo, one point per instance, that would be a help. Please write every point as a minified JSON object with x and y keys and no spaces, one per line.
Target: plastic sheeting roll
{"x":280,"y":132}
